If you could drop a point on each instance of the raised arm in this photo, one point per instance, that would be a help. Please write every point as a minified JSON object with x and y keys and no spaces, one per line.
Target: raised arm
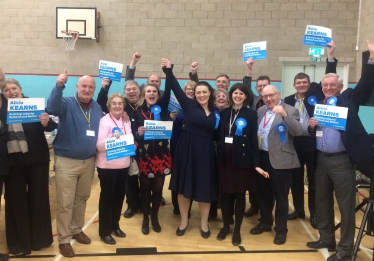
{"x":102,"y":97}
{"x":55,"y":104}
{"x":130,"y":71}
{"x":182,"y":98}
{"x":331,"y":62}
{"x":247,"y":80}
{"x":193,"y":74}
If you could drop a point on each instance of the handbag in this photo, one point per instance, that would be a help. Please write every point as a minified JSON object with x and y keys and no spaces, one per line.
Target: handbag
{"x":133,"y":169}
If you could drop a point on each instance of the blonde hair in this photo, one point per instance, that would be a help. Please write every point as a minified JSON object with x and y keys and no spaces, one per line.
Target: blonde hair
{"x":114,"y":95}
{"x":190,"y":83}
{"x":141,"y":100}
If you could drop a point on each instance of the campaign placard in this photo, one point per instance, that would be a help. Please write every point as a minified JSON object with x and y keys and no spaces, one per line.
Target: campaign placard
{"x":317,"y":35}
{"x":331,"y":116}
{"x":256,"y":50}
{"x":158,"y":130}
{"x":24,"y":110}
{"x":110,"y":70}
{"x":119,"y":148}
{"x":174,"y":105}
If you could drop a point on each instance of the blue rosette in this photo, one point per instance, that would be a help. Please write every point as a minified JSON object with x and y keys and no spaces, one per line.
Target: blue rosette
{"x":240,"y":124}
{"x":156,"y":110}
{"x":332,"y":101}
{"x":312,"y":100}
{"x":117,"y":130}
{"x":218,"y":117}
{"x":281,"y":129}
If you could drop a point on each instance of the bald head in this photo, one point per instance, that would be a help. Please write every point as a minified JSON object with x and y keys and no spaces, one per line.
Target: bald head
{"x":270,"y":96}
{"x":85,"y":88}
{"x":154,"y":79}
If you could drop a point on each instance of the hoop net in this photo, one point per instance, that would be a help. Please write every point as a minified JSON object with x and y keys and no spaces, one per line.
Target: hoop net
{"x":70,"y":38}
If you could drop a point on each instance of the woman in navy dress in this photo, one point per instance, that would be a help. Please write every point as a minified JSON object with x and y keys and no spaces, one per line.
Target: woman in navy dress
{"x":194,"y":176}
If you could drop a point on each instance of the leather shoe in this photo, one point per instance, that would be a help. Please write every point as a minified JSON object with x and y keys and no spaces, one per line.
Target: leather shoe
{"x":236,"y":239}
{"x":223,"y":233}
{"x":145,"y":227}
{"x":319,"y":244}
{"x":4,"y":257}
{"x":338,"y":256}
{"x":180,"y":232}
{"x":280,"y":238}
{"x":156,"y":226}
{"x":295,"y":215}
{"x":119,"y":233}
{"x":259,"y":229}
{"x":66,"y":250}
{"x":313,"y":221}
{"x":129,"y":213}
{"x":205,"y":234}
{"x":109,"y":240}
{"x":251,"y":211}
{"x":82,"y":238}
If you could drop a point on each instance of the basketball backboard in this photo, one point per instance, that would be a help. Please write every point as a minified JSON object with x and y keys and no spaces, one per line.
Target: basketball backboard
{"x":81,"y":19}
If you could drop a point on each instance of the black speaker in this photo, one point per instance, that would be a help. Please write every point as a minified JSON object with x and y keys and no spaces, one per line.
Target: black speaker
{"x":365,"y":59}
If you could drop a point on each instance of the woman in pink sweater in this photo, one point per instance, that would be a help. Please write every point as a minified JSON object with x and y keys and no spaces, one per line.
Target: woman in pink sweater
{"x":112,"y":171}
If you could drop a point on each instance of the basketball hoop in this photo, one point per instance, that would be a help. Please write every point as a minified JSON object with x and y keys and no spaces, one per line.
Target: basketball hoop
{"x":70,"y":37}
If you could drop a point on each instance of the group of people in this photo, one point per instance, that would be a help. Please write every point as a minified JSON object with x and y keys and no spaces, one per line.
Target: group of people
{"x":226,"y":142}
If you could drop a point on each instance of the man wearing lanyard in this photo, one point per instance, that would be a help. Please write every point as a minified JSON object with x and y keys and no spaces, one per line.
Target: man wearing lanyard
{"x":338,"y":152}
{"x":305,"y":145}
{"x":75,"y":151}
{"x":278,"y":124}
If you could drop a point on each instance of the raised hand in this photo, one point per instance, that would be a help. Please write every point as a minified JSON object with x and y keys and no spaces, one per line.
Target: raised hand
{"x":165,"y":63}
{"x":105,"y":82}
{"x":194,"y":66}
{"x":249,"y":63}
{"x":62,"y":79}
{"x":44,"y":119}
{"x":371,"y":48}
{"x":331,"y":50}
{"x":135,"y":59}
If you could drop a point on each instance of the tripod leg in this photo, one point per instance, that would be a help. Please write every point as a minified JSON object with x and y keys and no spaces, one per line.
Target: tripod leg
{"x":361,"y":231}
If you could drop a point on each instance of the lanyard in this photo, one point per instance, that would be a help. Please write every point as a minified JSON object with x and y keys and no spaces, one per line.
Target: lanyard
{"x":88,"y":119}
{"x":110,"y":115}
{"x":232,"y":122}
{"x":132,"y":107}
{"x":150,"y":115}
{"x":266,"y":122}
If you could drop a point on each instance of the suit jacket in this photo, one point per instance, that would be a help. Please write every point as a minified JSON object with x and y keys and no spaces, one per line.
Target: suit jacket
{"x":246,"y":153}
{"x":355,"y":139}
{"x":283,"y":154}
{"x":315,"y":89}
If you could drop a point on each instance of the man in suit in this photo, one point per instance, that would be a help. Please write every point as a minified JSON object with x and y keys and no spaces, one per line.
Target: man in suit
{"x":305,"y":144}
{"x":278,"y":124}
{"x":338,"y":152}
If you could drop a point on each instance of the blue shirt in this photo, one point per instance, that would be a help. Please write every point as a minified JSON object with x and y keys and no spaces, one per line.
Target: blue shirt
{"x":330,"y":142}
{"x":264,"y":128}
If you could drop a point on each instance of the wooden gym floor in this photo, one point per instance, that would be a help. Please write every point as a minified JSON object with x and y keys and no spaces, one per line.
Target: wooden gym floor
{"x":167,"y":246}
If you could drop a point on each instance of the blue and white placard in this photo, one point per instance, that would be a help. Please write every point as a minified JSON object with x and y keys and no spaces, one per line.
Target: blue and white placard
{"x":256,"y":50}
{"x":317,"y":36}
{"x":110,"y":70}
{"x":331,"y":116}
{"x":119,"y":148}
{"x":174,"y":105}
{"x":24,"y":110}
{"x":158,"y":130}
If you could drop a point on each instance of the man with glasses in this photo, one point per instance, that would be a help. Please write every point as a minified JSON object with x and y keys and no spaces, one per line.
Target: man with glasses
{"x":338,"y":152}
{"x":278,"y":124}
{"x":305,"y":145}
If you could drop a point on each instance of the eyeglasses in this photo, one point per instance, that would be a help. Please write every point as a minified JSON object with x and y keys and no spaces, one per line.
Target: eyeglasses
{"x":271,"y":96}
{"x":189,"y":89}
{"x":221,"y":96}
{"x":116,"y":103}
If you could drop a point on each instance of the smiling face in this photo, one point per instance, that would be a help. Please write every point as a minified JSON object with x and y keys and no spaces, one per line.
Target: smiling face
{"x":301,"y":85}
{"x":238,"y":98}
{"x":151,"y":95}
{"x":221,"y":100}
{"x":132,"y":93}
{"x":271,"y":96}
{"x":260,"y":85}
{"x":116,"y":106}
{"x":190,"y":92}
{"x":202,"y":94}
{"x":331,"y":86}
{"x":155,"y":80}
{"x":86,"y":88}
{"x":12,"y":90}
{"x":222,"y":82}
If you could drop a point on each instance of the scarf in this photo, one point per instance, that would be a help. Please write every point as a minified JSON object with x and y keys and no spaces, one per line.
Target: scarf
{"x":16,"y":139}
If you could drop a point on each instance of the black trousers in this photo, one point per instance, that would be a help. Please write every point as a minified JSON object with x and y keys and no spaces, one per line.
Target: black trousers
{"x":112,"y":183}
{"x":305,"y":149}
{"x":253,"y":199}
{"x":27,"y":211}
{"x":230,"y":201}
{"x":151,"y":192}
{"x":133,"y":192}
{"x":275,"y":187}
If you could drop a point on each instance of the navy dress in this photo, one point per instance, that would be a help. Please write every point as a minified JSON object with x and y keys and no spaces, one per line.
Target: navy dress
{"x":194,"y":174}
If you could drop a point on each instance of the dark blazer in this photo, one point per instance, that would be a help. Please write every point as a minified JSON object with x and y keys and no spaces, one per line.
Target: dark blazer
{"x":314,"y":90}
{"x":246,"y":152}
{"x":4,"y":162}
{"x":354,"y":138}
